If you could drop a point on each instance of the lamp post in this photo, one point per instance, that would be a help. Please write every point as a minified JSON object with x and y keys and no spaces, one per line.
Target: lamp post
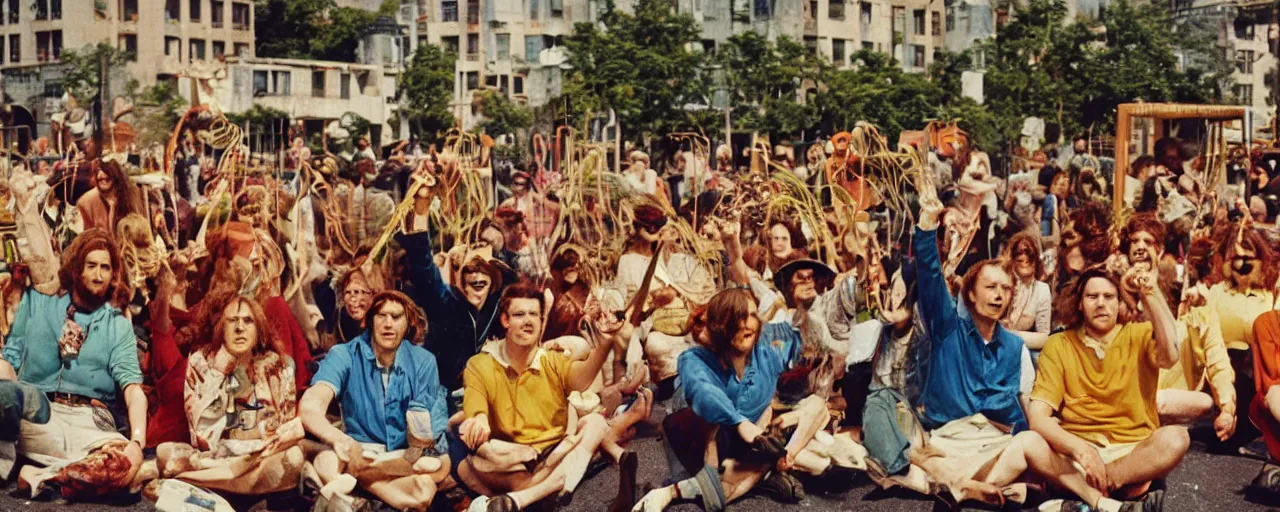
{"x":721,"y":101}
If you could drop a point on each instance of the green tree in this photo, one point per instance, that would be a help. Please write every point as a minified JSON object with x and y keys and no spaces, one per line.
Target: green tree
{"x":157,"y":109}
{"x":82,"y":69}
{"x":766,"y":78}
{"x":503,"y":116}
{"x":641,"y":65}
{"x":426,"y":86}
{"x":878,"y":91}
{"x":313,"y":29}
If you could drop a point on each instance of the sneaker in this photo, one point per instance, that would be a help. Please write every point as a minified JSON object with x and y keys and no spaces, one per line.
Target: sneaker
{"x":1268,"y":480}
{"x":782,"y":487}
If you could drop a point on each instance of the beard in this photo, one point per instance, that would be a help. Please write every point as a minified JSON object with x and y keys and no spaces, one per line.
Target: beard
{"x":86,"y":299}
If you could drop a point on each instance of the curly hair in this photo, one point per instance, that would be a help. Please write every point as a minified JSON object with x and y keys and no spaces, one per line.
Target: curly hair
{"x":1066,"y":306}
{"x":1028,"y":244}
{"x":1225,"y":239}
{"x":1142,"y":222}
{"x":73,"y":261}
{"x":211,"y":327}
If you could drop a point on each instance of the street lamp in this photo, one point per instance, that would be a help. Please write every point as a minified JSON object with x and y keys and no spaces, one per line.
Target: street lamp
{"x":720,"y":100}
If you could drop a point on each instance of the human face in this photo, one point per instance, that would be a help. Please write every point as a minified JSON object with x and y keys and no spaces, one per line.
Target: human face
{"x":1079,"y":146}
{"x":519,"y":186}
{"x":803,"y":288}
{"x":96,"y":273}
{"x":990,"y":293}
{"x":1075,"y":259}
{"x":779,"y":240}
{"x":1100,"y":304}
{"x":1245,"y":266}
{"x":1024,"y":266}
{"x":239,"y":333}
{"x":475,"y":286}
{"x":571,"y":275}
{"x":523,"y":321}
{"x":1143,"y":249}
{"x":103,"y":181}
{"x":389,"y":326}
{"x":1061,"y":185}
{"x":356,"y":297}
{"x":748,"y":332}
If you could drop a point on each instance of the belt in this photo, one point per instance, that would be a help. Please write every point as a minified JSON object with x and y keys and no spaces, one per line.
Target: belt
{"x":73,"y":399}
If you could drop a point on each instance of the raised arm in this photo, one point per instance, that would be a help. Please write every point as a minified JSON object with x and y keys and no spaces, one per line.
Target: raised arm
{"x":936,"y":304}
{"x":1162,"y":321}
{"x":421,"y":270}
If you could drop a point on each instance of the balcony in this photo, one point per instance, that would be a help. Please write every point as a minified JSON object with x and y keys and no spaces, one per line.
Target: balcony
{"x":473,"y":57}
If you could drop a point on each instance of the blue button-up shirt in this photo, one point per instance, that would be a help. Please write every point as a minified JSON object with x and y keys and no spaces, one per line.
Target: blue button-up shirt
{"x":374,"y":414}
{"x":716,"y":393}
{"x":966,"y":375}
{"x":108,"y":359}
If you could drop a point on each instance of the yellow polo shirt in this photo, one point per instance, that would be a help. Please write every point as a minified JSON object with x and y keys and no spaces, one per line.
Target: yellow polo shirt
{"x":1104,"y":394}
{"x":529,"y":408}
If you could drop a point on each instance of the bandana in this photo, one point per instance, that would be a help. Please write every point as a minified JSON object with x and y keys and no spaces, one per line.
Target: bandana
{"x":72,"y":336}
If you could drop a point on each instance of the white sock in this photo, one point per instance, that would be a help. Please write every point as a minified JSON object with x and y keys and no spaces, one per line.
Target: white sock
{"x":1108,"y":505}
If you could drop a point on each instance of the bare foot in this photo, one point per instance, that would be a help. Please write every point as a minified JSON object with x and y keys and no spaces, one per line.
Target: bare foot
{"x":639,"y":411}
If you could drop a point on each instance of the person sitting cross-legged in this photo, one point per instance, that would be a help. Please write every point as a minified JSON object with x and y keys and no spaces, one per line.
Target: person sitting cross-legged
{"x":517,"y":412}
{"x":1095,"y":395}
{"x":393,"y":411}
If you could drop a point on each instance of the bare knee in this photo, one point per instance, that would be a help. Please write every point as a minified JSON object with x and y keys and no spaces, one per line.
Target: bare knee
{"x":593,"y":421}
{"x":1174,"y":440}
{"x":1031,"y":442}
{"x":1273,"y":401}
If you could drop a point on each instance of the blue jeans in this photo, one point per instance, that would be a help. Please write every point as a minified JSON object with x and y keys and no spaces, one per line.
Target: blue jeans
{"x":20,"y":401}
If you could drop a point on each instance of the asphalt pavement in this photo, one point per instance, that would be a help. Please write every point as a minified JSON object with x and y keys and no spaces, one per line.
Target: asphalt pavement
{"x":1203,"y":483}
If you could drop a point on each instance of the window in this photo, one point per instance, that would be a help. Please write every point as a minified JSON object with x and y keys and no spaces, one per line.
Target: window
{"x":517,"y":84}
{"x":43,"y":53}
{"x":473,"y":12}
{"x":951,"y":19}
{"x":1244,"y":28}
{"x":473,"y":46}
{"x":260,"y":83}
{"x":172,"y":10}
{"x":449,"y":10}
{"x":216,"y":15}
{"x":899,"y":20}
{"x":219,"y":49}
{"x":917,"y":56}
{"x":491,"y":81}
{"x":2,"y":17}
{"x":317,"y":83}
{"x":762,"y":9}
{"x":14,"y":11}
{"x":811,"y":13}
{"x":242,"y":50}
{"x":1244,"y":61}
{"x":532,"y":47}
{"x":837,"y":50}
{"x":937,"y":22}
{"x":868,"y":46}
{"x":709,"y":46}
{"x":197,"y":49}
{"x":281,"y":80}
{"x":811,"y":44}
{"x":240,"y":16}
{"x":557,"y":8}
{"x":1,"y":50}
{"x":193,"y":10}
{"x":344,"y":86}
{"x":835,"y":9}
{"x":129,"y":45}
{"x":173,"y":47}
{"x":42,"y":10}
{"x":533,"y":9}
{"x":917,"y":18}
{"x":1243,"y":94}
{"x":502,"y":46}
{"x":866,"y":13}
{"x":55,"y":9}
{"x":450,"y":44}
{"x":473,"y":80}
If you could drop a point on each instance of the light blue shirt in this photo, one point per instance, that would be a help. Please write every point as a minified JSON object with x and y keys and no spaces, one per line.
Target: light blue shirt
{"x":374,"y":413}
{"x":108,"y":359}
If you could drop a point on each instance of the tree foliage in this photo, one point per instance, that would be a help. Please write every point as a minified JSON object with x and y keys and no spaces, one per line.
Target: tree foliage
{"x":766,"y":80}
{"x":82,"y":69}
{"x":426,"y":88}
{"x":641,"y":65}
{"x":313,"y":29}
{"x":503,"y":116}
{"x":157,"y":109}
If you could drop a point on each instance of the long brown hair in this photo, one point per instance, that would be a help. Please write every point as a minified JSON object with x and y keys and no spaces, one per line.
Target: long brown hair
{"x":1028,"y":244}
{"x":73,"y":261}
{"x":725,"y":313}
{"x":128,"y":197}
{"x":208,"y":344}
{"x":416,"y":332}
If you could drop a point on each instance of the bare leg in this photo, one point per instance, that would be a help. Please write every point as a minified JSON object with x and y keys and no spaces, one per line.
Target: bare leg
{"x":593,"y":429}
{"x":1181,"y":407}
{"x":406,"y":493}
{"x":1153,"y":458}
{"x":327,"y":465}
{"x":6,"y":371}
{"x":1272,"y":401}
{"x":1056,"y":468}
{"x":813,"y":416}
{"x":739,"y":478}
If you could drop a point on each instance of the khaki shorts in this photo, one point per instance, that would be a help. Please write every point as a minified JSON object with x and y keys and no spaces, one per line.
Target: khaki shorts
{"x":970,"y":445}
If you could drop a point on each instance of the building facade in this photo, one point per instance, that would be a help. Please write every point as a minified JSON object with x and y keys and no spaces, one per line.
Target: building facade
{"x":1244,"y":32}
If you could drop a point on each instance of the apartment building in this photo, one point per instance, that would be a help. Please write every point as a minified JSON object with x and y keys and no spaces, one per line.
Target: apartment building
{"x":516,"y":46}
{"x":1244,"y":30}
